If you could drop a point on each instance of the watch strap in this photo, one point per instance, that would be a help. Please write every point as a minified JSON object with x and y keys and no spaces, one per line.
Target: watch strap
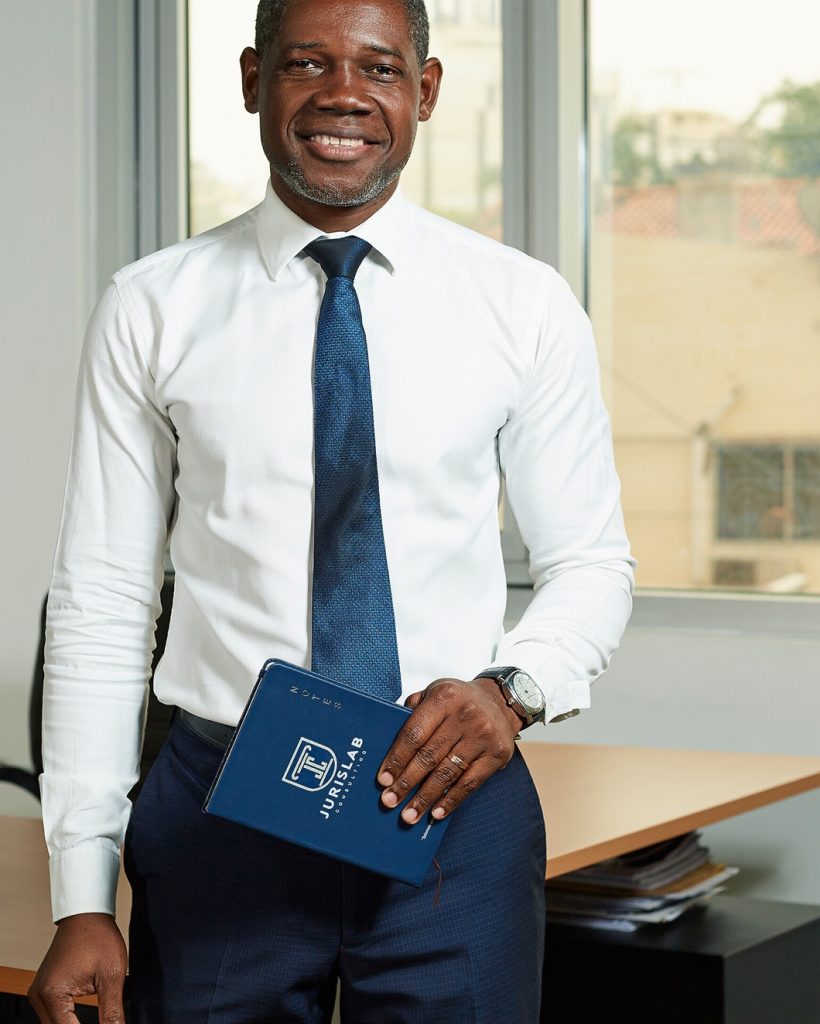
{"x":502,"y":672}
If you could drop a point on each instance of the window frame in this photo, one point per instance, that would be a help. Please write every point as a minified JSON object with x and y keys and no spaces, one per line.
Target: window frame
{"x":545,"y":120}
{"x":162,"y":196}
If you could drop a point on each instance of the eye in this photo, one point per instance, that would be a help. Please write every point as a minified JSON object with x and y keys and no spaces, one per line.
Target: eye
{"x":386,"y":71}
{"x":302,"y":64}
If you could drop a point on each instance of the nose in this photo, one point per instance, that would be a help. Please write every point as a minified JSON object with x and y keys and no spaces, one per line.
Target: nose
{"x":342,"y":90}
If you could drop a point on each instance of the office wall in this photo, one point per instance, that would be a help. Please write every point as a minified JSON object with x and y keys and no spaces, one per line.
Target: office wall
{"x":66,"y":210}
{"x":46,"y":115}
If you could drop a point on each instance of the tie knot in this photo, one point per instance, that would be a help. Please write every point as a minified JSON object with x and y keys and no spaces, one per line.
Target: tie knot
{"x":339,"y":257}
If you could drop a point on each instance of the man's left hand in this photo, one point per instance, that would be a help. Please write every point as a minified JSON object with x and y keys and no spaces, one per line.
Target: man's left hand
{"x":460,"y":733}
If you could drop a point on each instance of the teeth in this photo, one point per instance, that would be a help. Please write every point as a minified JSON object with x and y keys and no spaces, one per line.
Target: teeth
{"x":333,"y":140}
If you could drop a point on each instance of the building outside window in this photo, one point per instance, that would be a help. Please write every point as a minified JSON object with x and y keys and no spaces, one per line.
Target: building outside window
{"x":704,"y":146}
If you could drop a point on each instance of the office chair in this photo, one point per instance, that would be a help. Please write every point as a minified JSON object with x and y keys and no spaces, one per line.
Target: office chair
{"x":158,"y":722}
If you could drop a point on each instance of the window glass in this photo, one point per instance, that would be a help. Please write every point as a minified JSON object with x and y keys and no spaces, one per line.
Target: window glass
{"x":751,"y":500}
{"x":455,"y":169}
{"x":704,"y":283}
{"x":227,"y":168}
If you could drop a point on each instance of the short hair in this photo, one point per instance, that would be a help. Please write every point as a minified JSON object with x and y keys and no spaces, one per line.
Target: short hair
{"x":270,"y":14}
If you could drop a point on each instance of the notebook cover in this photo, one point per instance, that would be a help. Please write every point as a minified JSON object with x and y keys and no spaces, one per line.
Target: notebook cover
{"x":302,"y":766}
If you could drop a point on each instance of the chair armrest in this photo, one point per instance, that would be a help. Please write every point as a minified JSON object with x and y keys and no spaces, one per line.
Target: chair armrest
{"x":22,"y":778}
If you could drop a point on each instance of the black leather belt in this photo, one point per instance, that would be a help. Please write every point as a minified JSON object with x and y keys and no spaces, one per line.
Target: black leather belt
{"x":213,"y":732}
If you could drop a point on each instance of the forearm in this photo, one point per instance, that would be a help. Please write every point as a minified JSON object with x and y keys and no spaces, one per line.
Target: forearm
{"x":103,"y":602}
{"x":96,"y":674}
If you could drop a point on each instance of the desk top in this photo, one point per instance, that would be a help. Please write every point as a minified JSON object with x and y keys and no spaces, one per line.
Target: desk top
{"x":597,"y":801}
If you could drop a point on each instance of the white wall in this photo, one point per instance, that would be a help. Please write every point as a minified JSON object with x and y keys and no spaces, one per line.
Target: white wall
{"x":44,"y":286}
{"x":64,"y":146}
{"x":721,"y":674}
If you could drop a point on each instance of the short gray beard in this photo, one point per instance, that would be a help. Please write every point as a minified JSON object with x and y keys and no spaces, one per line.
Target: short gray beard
{"x":294,"y":179}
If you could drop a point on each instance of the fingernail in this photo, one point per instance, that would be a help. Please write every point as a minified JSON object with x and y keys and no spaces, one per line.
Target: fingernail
{"x":386,"y":779}
{"x":390,"y":799}
{"x":409,"y":815}
{"x":438,"y":813}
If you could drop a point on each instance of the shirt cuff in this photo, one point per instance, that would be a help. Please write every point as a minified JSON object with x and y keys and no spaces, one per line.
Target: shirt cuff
{"x":563,"y":693}
{"x":84,"y":880}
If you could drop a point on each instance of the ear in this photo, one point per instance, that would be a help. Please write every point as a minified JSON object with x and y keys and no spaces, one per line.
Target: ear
{"x":251,"y":66}
{"x":430,"y":84}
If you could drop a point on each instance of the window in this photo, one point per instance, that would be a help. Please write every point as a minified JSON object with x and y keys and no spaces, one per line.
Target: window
{"x":704,"y":207}
{"x":751,"y":498}
{"x":457,"y":164}
{"x":227,"y":168}
{"x":769,"y":492}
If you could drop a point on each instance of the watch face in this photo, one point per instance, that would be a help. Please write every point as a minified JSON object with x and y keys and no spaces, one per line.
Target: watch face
{"x":527,"y":691}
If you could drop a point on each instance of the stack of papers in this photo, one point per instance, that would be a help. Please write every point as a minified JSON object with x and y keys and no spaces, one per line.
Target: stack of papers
{"x":653,"y":885}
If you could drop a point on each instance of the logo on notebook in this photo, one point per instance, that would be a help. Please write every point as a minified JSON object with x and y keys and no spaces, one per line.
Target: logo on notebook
{"x":312,"y":766}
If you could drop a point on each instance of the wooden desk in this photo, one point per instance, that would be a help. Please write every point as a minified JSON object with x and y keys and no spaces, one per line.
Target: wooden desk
{"x":597,"y":802}
{"x":600,"y":801}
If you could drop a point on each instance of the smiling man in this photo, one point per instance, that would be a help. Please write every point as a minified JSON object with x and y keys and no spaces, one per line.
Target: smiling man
{"x":315,"y":403}
{"x":321,"y":157}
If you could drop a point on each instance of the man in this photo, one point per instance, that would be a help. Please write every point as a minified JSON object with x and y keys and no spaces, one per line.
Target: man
{"x":222,"y":402}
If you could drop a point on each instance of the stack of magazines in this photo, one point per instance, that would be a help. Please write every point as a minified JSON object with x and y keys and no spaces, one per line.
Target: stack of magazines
{"x":653,"y":885}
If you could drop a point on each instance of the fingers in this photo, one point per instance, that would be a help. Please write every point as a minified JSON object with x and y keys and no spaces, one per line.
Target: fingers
{"x":109,"y":999}
{"x":472,"y":779}
{"x":425,"y":761}
{"x":415,"y":699}
{"x":479,"y":763}
{"x":412,"y":740}
{"x":451,"y":719}
{"x":57,"y":1007}
{"x":53,"y":1007}
{"x":87,"y":955}
{"x":444,"y":777}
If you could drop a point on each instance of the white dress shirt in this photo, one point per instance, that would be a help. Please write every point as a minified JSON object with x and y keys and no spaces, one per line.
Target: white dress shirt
{"x":195,"y":421}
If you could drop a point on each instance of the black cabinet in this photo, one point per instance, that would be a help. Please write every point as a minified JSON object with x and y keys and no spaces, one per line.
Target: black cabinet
{"x":17,"y":1010}
{"x":737,"y":961}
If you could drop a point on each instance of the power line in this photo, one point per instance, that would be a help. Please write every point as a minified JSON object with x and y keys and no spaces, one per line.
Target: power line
{"x":650,"y":399}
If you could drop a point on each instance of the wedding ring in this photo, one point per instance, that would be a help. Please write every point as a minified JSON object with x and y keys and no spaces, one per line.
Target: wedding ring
{"x":458,"y":762}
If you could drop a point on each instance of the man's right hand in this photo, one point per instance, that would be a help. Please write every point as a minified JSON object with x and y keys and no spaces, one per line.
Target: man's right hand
{"x":87,"y":956}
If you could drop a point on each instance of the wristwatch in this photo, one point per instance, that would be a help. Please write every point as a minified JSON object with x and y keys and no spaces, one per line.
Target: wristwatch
{"x":521,"y":692}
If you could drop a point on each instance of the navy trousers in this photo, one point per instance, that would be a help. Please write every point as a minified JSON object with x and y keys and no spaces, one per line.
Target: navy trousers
{"x":231,"y":926}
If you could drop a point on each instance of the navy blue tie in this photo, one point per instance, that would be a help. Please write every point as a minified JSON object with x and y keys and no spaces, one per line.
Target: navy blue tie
{"x":353,"y":628}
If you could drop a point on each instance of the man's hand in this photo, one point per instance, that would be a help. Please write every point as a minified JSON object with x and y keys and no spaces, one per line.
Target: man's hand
{"x":86,"y":956}
{"x":468,"y":721}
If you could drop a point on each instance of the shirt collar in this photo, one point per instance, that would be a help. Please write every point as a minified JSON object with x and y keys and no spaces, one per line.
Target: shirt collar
{"x":283,"y":235}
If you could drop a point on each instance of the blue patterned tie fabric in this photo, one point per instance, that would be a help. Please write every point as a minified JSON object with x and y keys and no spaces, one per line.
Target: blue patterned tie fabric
{"x":353,"y":627}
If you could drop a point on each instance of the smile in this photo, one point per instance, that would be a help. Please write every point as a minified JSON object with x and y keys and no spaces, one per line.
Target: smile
{"x":335,"y":140}
{"x":338,"y":149}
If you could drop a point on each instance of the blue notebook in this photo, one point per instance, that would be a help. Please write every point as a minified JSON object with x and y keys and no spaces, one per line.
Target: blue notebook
{"x":302,"y":766}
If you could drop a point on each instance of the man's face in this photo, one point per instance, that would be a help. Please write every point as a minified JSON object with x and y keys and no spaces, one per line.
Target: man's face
{"x":339,"y":94}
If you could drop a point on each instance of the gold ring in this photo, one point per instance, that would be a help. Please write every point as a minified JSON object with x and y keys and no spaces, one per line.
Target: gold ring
{"x":458,"y":762}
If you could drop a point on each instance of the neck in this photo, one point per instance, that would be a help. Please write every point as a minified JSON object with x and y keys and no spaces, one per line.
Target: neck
{"x":331,"y":218}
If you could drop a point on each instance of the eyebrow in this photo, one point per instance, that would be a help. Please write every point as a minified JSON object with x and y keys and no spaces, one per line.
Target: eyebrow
{"x":315,"y":44}
{"x":386,"y":50}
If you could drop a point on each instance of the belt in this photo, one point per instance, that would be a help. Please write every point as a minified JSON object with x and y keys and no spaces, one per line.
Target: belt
{"x":215,"y":733}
